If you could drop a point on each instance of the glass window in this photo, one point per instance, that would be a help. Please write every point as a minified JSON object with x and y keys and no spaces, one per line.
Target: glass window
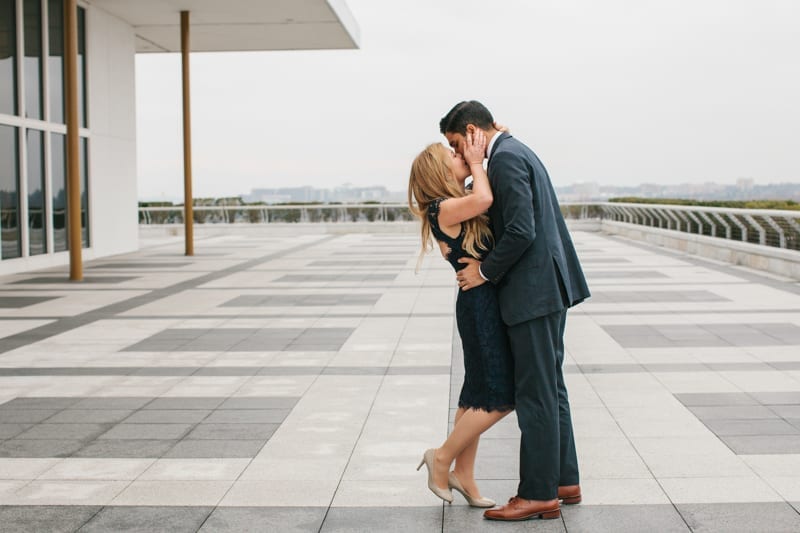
{"x":8,"y":57}
{"x":84,"y":193}
{"x":32,"y":11}
{"x":9,"y":193}
{"x":37,"y":232}
{"x":82,"y":66}
{"x":58,"y":184}
{"x":55,"y":62}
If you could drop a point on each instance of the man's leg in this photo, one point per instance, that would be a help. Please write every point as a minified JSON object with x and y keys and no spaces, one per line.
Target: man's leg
{"x":534,"y":344}
{"x":569,"y":458}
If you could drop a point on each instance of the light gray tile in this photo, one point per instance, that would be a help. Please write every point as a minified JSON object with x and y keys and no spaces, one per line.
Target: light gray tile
{"x":190,"y":449}
{"x":260,"y":403}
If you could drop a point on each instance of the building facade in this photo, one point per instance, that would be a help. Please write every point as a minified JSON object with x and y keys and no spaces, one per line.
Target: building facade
{"x":33,"y":205}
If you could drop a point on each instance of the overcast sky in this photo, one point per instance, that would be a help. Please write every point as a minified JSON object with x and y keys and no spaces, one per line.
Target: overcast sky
{"x":613,"y":91}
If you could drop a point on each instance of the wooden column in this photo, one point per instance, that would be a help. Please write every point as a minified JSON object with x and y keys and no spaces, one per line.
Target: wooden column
{"x":187,"y":137}
{"x":73,"y":140}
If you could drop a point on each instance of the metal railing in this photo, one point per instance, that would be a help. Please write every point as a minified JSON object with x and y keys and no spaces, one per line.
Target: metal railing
{"x":767,"y":227}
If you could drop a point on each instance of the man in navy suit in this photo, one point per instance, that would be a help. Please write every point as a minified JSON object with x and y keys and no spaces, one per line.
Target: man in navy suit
{"x":538,"y":277}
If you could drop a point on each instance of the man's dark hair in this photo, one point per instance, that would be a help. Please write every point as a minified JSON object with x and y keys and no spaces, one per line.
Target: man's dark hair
{"x":471,"y":112}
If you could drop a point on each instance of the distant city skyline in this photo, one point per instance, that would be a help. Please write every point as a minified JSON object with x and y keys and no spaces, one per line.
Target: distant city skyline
{"x":616,"y":92}
{"x":741,"y":189}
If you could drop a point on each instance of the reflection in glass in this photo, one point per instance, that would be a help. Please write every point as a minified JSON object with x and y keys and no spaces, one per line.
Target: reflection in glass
{"x":8,"y":57}
{"x":84,"y":193}
{"x":9,"y":193}
{"x":55,"y":62}
{"x":58,"y":183}
{"x":37,"y":232}
{"x":82,"y":66}
{"x":32,"y":11}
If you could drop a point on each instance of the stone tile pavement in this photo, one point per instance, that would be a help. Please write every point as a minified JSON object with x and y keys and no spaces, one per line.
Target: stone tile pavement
{"x":291,"y":383}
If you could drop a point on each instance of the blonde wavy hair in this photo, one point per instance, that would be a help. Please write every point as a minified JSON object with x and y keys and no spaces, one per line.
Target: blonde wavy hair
{"x":430,"y":179}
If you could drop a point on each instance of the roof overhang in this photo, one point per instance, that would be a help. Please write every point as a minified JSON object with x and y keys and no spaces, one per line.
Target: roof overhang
{"x":238,"y":25}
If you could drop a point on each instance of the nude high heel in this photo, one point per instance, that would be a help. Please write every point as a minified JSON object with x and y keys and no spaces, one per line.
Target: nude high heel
{"x":454,"y":483}
{"x":428,"y":459}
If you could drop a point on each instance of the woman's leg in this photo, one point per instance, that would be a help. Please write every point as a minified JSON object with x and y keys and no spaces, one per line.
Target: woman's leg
{"x":468,"y":428}
{"x":465,"y":462}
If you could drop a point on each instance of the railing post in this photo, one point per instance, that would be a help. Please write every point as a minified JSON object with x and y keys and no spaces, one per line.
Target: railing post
{"x":710,"y":222}
{"x":697,"y":221}
{"x":776,"y":227}
{"x":762,"y":233}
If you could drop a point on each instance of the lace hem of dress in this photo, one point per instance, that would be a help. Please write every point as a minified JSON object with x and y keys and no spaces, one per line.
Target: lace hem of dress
{"x":488,"y":409}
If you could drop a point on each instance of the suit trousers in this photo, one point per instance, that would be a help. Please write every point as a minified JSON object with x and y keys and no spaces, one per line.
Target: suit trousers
{"x":547,"y":455}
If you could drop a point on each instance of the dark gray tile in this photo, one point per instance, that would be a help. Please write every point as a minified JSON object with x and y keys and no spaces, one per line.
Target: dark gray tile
{"x":93,"y":416}
{"x":148,"y":519}
{"x":247,"y":416}
{"x":111,"y":403}
{"x":763,"y":444}
{"x":283,"y":519}
{"x":716,"y":398}
{"x":733,"y":412}
{"x":418,"y":370}
{"x":228,"y":370}
{"x":19,"y":302}
{"x":751,"y":427}
{"x":167,"y":416}
{"x":39,"y":448}
{"x":185,"y":403}
{"x":39,"y":403}
{"x":590,"y":260}
{"x":303,"y":300}
{"x":8,"y":431}
{"x":383,"y":519}
{"x":49,"y":518}
{"x":64,"y":431}
{"x":146,"y":431}
{"x":266,"y":402}
{"x":260,"y":432}
{"x":622,"y":519}
{"x":741,"y":517}
{"x":125,"y":449}
{"x":25,"y":416}
{"x":187,"y":449}
{"x":461,"y":518}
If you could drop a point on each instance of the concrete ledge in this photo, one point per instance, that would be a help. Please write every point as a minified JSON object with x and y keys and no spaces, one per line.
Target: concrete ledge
{"x":150,"y":231}
{"x":774,"y":260}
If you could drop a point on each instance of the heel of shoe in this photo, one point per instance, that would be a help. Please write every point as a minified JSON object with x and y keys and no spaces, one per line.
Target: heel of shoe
{"x":421,"y":463}
{"x":572,"y":500}
{"x":549,"y":515}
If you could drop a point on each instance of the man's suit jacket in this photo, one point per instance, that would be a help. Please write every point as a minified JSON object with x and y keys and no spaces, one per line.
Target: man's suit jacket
{"x":533,"y":252}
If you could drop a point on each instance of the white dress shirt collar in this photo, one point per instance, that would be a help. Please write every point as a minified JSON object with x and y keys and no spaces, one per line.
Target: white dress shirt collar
{"x":491,"y":144}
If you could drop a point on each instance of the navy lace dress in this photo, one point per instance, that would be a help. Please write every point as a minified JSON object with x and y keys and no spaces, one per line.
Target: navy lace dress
{"x":488,"y":363}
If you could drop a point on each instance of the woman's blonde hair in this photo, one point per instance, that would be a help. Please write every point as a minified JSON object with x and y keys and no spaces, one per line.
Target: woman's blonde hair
{"x":431,"y":179}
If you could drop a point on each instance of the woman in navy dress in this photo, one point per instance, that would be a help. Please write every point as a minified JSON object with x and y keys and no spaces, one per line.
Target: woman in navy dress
{"x":455,"y":217}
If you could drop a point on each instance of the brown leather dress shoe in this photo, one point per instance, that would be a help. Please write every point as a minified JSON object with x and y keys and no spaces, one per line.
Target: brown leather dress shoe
{"x":521,"y":509}
{"x":569,"y":494}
